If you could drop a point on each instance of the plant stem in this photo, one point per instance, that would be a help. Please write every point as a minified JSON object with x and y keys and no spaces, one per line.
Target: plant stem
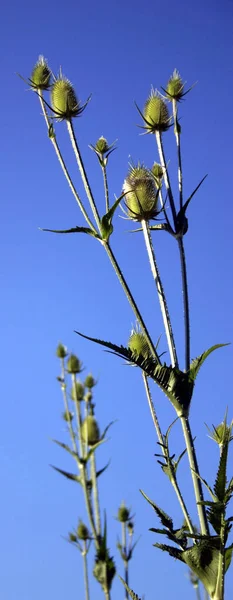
{"x":104,"y":171}
{"x":177,"y":136}
{"x":86,"y":582}
{"x":82,"y":465}
{"x":195,"y":472}
{"x":124,"y":546}
{"x":198,"y":592}
{"x":63,"y":386}
{"x":81,"y":167}
{"x":63,"y":165}
{"x":95,"y":494}
{"x":166,"y":175}
{"x":185,"y":302}
{"x":161,"y":294}
{"x":130,"y":299}
{"x":161,"y":441}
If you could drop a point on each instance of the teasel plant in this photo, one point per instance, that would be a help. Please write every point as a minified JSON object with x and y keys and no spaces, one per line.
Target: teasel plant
{"x":147,"y":195}
{"x":85,"y":438}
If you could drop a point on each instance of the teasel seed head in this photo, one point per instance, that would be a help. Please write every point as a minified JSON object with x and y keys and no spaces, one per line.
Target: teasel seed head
{"x":73,"y":364}
{"x":156,"y":114}
{"x":90,"y":431}
{"x":141,"y":194}
{"x":41,"y":75}
{"x":61,"y":351}
{"x":175,"y":87}
{"x":64,"y":101}
{"x":82,"y":532}
{"x":123,"y":514}
{"x":138,"y":344}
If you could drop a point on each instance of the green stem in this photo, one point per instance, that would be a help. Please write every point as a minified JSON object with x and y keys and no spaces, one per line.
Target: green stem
{"x":63,"y":387}
{"x":177,"y":136}
{"x":86,"y":581}
{"x":161,"y":441}
{"x":83,"y":173}
{"x":161,"y":294}
{"x":126,"y":566}
{"x":63,"y":165}
{"x":166,"y":175}
{"x":104,"y":171}
{"x":130,"y":299}
{"x":82,"y":465}
{"x":195,"y":472}
{"x":198,"y":592}
{"x":185,"y":302}
{"x":95,"y":494}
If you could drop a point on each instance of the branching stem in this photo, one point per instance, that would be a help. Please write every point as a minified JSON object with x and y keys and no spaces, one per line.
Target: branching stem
{"x":104,"y":171}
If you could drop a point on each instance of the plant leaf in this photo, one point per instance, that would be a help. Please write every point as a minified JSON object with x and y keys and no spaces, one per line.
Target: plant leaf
{"x":128,"y":589}
{"x":182,"y":212}
{"x":164,"y":517}
{"x":176,"y":384}
{"x":198,"y":362}
{"x":67,"y":448}
{"x":174,"y":552}
{"x":77,"y":229}
{"x":98,"y":473}
{"x":106,"y":221}
{"x":203,"y":560}
{"x":67,"y":475}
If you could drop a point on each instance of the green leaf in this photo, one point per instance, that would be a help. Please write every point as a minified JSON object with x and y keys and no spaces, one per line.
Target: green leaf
{"x":221,"y":478}
{"x":106,"y":221}
{"x":67,"y":448}
{"x":98,"y":473}
{"x":177,"y":536}
{"x":77,"y":229}
{"x":67,"y":475}
{"x":174,"y":552}
{"x":93,"y":449}
{"x":106,"y":429}
{"x":198,"y":362}
{"x":203,"y":560}
{"x":176,"y":384}
{"x":182,"y":212}
{"x":228,"y":556}
{"x":164,"y":517}
{"x":128,"y":589}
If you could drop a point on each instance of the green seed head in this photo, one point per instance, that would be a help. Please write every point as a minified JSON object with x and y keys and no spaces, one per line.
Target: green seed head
{"x":72,"y":537}
{"x":175,"y":87}
{"x":61,"y":351}
{"x":141,"y":194}
{"x":102,"y":145}
{"x":222,"y":433}
{"x":78,"y":391}
{"x":63,"y":99}
{"x":157,"y":171}
{"x":41,"y":75}
{"x":156,"y":113}
{"x":90,"y":431}
{"x":67,"y":416}
{"x":138,"y":344}
{"x":82,"y":532}
{"x":130,"y":526}
{"x":89,"y":381}
{"x":123,"y":513}
{"x":73,"y":364}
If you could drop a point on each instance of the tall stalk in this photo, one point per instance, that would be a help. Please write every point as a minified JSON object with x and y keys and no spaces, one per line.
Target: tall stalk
{"x":161,"y":442}
{"x":63,"y":165}
{"x":106,"y":192}
{"x":95,"y":494}
{"x":86,"y":581}
{"x":177,"y":136}
{"x":161,"y":294}
{"x":185,"y":302}
{"x":126,"y":565}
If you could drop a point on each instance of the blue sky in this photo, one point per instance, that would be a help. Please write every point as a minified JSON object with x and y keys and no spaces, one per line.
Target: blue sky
{"x":52,"y":285}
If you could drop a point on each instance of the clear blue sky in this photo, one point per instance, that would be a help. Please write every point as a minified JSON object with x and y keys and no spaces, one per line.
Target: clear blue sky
{"x":51,"y":285}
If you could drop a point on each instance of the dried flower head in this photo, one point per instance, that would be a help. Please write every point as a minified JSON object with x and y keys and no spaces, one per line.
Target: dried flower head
{"x":141,"y":194}
{"x":90,"y":431}
{"x":155,"y":114}
{"x":41,"y":75}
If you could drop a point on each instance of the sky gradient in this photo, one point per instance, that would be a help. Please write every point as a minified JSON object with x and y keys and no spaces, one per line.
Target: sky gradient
{"x":51,"y":285}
